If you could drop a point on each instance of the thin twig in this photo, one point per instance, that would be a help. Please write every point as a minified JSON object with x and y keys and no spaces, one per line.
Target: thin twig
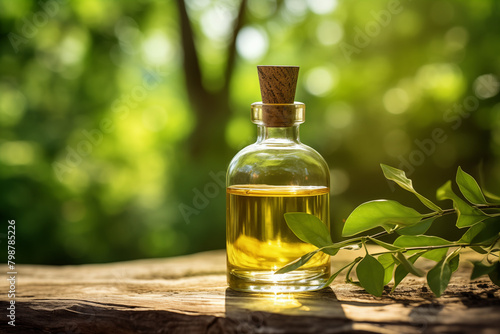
{"x":406,"y":249}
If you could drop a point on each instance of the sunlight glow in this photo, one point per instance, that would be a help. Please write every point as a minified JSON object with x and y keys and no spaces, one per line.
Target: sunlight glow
{"x":443,"y":81}
{"x":154,"y":118}
{"x":322,"y":6}
{"x":252,"y":43}
{"x":486,"y":86}
{"x":296,"y":7}
{"x":157,"y":49}
{"x":329,"y":32}
{"x":216,"y":22}
{"x":319,"y":81}
{"x":17,"y":153}
{"x":396,"y":101}
{"x":197,"y":4}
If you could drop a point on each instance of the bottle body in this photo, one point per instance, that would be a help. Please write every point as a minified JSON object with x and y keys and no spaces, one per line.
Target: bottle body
{"x":277,"y":174}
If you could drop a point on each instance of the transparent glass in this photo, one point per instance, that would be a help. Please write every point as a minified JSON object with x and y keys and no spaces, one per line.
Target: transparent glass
{"x":275,"y":175}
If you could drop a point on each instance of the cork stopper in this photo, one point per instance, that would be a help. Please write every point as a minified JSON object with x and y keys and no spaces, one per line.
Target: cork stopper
{"x":277,"y":87}
{"x":278,"y":83}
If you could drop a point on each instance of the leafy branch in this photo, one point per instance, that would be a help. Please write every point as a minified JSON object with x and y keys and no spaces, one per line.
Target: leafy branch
{"x":480,"y":214}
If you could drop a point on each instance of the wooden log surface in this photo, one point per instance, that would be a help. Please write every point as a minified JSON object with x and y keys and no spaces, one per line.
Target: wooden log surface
{"x":188,"y":294}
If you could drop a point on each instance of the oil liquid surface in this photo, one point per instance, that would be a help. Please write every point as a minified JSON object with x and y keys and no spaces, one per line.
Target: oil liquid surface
{"x":259,"y":241}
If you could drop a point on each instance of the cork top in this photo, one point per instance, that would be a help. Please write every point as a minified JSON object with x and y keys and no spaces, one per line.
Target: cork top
{"x":278,"y":83}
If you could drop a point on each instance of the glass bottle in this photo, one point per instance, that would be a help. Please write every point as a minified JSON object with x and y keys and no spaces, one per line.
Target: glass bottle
{"x":275,"y":175}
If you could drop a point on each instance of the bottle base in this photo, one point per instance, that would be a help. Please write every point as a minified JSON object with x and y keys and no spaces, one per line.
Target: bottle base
{"x":268,"y":282}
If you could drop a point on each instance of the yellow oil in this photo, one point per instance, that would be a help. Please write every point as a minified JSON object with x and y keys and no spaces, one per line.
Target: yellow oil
{"x":259,"y":241}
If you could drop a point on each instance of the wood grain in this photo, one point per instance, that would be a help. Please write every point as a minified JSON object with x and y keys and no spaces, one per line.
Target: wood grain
{"x":277,"y":87}
{"x":188,"y":294}
{"x":278,"y":83}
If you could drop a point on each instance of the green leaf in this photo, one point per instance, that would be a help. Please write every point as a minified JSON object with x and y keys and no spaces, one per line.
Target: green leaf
{"x":439,"y":277}
{"x":479,"y":250}
{"x":399,"y":176}
{"x":401,"y":271}
{"x":383,"y":213}
{"x":419,"y":228}
{"x":370,"y":273}
{"x":310,"y":229}
{"x":297,"y":263}
{"x":470,"y":188}
{"x":492,"y":197}
{"x":348,"y":274}
{"x":480,"y":269}
{"x":471,"y":233}
{"x":483,"y":232}
{"x":495,"y":274}
{"x":454,"y":262}
{"x":467,"y":215}
{"x":408,"y":265}
{"x":384,"y":244}
{"x":346,"y":244}
{"x":334,"y":276}
{"x":407,"y":241}
{"x":489,"y":232}
{"x":387,"y":261}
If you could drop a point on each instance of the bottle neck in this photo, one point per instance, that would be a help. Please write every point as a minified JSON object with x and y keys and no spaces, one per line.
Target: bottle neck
{"x":278,"y":135}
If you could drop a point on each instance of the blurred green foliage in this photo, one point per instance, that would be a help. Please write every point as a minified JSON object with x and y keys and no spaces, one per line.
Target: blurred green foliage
{"x":112,"y":146}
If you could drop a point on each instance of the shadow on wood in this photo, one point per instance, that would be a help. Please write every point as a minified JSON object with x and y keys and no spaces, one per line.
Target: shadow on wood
{"x":288,"y":313}
{"x":189,"y":294}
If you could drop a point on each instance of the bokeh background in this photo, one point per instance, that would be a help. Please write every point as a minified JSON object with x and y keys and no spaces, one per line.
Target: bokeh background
{"x":118,"y":118}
